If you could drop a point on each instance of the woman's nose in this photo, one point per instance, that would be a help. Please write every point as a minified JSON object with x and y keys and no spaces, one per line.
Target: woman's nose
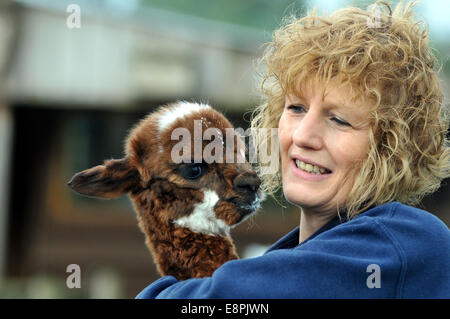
{"x":310,"y":132}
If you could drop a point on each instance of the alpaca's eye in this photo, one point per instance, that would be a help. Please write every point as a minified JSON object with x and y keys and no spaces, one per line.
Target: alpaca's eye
{"x":192,"y":171}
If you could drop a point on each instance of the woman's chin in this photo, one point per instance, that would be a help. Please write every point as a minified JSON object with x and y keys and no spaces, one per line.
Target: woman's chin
{"x":297,"y":198}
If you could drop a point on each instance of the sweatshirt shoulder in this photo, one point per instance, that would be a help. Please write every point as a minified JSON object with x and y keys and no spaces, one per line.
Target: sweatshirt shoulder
{"x":412,"y":241}
{"x":423,"y":243}
{"x":407,"y":221}
{"x":421,"y":239}
{"x":396,"y":228}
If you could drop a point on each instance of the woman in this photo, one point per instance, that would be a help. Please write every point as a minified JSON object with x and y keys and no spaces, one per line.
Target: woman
{"x":361,"y":128}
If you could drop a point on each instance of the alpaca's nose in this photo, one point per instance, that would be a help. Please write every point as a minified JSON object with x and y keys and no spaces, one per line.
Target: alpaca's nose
{"x":246,"y":183}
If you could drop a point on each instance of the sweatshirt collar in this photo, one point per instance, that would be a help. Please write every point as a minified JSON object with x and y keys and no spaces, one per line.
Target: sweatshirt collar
{"x":290,"y":240}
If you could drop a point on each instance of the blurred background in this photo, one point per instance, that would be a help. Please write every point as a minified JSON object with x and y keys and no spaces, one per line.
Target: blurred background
{"x":68,"y":96}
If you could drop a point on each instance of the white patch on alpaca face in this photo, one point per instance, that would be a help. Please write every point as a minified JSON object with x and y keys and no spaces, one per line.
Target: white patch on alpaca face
{"x":181,"y":110}
{"x":203,"y":219}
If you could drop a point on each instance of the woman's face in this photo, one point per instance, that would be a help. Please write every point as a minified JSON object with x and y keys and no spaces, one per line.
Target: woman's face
{"x":321,"y":139}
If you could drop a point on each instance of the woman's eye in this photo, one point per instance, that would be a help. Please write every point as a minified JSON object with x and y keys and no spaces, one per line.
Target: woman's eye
{"x":192,"y":171}
{"x":340,"y":122}
{"x":301,"y":109}
{"x":296,"y":108}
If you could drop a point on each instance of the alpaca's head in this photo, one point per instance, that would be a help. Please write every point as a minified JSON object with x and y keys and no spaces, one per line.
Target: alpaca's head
{"x":186,"y":160}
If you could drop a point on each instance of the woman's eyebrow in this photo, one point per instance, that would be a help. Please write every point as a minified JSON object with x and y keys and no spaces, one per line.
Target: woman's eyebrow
{"x":333,"y":105}
{"x":353,"y":113}
{"x":341,"y":105}
{"x":327,"y":103}
{"x":293,"y":98}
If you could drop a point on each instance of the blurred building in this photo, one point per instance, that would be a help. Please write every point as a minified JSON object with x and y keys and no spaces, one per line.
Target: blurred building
{"x":68,"y":97}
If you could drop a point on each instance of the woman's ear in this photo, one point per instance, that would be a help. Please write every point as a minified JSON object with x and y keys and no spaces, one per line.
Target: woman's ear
{"x":111,"y":180}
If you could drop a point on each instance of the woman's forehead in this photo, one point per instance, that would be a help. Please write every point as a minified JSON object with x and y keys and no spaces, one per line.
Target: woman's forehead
{"x":334,"y":93}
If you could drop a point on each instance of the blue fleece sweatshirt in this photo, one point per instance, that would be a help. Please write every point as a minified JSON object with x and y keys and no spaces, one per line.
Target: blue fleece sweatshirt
{"x":390,"y":251}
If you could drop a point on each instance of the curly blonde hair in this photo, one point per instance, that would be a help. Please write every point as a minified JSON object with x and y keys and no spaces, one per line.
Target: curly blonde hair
{"x":385,"y":57}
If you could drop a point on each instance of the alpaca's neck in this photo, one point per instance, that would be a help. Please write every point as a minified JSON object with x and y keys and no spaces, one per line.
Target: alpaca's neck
{"x":181,"y":252}
{"x":197,"y":254}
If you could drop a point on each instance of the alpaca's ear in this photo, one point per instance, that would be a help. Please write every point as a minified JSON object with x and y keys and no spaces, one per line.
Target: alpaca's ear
{"x":111,"y":180}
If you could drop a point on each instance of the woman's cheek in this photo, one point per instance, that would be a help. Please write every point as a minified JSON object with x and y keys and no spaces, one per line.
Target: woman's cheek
{"x":282,"y":135}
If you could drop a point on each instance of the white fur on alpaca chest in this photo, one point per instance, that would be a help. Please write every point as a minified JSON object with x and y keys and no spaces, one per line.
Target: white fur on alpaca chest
{"x":203,"y":219}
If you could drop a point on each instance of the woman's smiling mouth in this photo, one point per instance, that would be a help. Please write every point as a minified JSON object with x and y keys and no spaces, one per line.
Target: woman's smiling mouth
{"x":310,"y":166}
{"x":308,"y":175}
{"x":309,"y":170}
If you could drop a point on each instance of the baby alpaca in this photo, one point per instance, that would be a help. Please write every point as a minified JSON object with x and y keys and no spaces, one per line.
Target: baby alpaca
{"x":186,"y":202}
